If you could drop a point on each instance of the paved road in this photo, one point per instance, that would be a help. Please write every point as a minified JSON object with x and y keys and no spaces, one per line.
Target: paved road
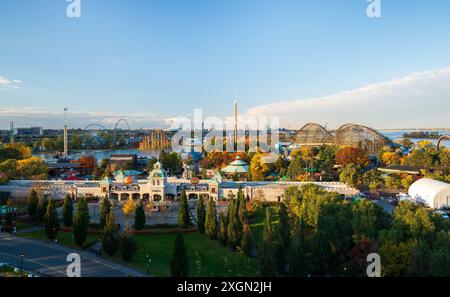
{"x":50,"y":259}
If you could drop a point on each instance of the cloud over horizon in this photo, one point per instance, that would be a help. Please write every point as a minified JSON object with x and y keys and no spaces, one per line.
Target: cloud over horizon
{"x":9,"y":83}
{"x":419,"y":100}
{"x":31,"y":116}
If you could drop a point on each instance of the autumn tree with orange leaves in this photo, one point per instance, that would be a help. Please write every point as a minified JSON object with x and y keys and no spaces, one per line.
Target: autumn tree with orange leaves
{"x":352,"y":155}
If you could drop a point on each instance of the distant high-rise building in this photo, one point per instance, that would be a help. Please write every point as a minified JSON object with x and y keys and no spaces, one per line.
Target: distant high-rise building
{"x":66,"y":143}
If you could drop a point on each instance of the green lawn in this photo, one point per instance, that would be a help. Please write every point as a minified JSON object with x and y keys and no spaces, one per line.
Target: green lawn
{"x":64,"y":238}
{"x":206,"y":257}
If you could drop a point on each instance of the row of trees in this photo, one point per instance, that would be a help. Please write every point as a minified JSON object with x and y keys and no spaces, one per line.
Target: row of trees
{"x":230,"y":228}
{"x":110,"y":238}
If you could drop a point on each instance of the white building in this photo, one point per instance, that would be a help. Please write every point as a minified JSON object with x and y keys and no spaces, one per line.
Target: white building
{"x":433,"y":193}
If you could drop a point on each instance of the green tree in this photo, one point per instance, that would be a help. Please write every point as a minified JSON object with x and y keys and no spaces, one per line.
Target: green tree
{"x":266,"y":256}
{"x":179,"y":264}
{"x":51,"y":221}
{"x":110,"y":237}
{"x":42,"y":208}
{"x":211,"y":219}
{"x":232,"y":238}
{"x":296,"y":168}
{"x":81,"y":222}
{"x":242,"y":210}
{"x":247,"y":241}
{"x":439,"y":262}
{"x":128,"y":247}
{"x":332,"y":238}
{"x":68,"y":211}
{"x":201,"y":213}
{"x":139,"y":217}
{"x":298,"y":261}
{"x":351,"y":175}
{"x":222,"y":232}
{"x":105,"y":210}
{"x":33,"y":203}
{"x":184,"y":220}
{"x":284,"y":226}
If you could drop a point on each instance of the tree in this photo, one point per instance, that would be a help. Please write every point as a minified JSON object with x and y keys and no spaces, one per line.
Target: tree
{"x":293,"y":202}
{"x":110,"y":237}
{"x":105,"y":209}
{"x":231,"y":234}
{"x":242,"y":210}
{"x":33,"y":202}
{"x":68,"y":211}
{"x":352,"y":155}
{"x":258,"y":168}
{"x":393,"y":181}
{"x":284,"y":226}
{"x":439,"y":262}
{"x":179,"y":264}
{"x":42,"y":208}
{"x":372,"y":179}
{"x":364,"y":221}
{"x":184,"y":220}
{"x":247,"y":241}
{"x":351,"y":175}
{"x":51,"y":221}
{"x":391,"y":158}
{"x":266,"y":257}
{"x":332,"y":238}
{"x":222,"y":233}
{"x":81,"y":222}
{"x":128,"y":207}
{"x":139,"y":217}
{"x":128,"y":247}
{"x":295,"y":169}
{"x":211,"y":219}
{"x":201,"y":213}
{"x":297,"y":256}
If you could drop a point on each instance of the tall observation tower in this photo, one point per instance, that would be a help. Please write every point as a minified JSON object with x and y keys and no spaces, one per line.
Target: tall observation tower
{"x":66,"y":137}
{"x":235,"y":122}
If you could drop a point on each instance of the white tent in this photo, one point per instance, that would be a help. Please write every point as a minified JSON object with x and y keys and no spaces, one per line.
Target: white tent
{"x":433,"y":193}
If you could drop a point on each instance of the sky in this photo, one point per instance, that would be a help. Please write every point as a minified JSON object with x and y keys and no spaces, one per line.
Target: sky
{"x":149,"y":61}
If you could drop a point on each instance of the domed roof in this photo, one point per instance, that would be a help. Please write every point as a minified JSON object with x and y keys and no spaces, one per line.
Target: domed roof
{"x":426,"y":190}
{"x":237,"y":166}
{"x":158,"y":171}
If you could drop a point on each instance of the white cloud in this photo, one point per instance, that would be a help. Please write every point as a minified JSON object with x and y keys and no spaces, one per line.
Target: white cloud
{"x":9,"y":83}
{"x":31,"y":116}
{"x":419,"y":100}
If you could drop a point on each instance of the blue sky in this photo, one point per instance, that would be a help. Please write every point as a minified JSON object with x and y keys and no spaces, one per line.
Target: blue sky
{"x":152,"y":60}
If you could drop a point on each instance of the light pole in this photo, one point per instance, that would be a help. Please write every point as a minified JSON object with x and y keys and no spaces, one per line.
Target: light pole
{"x":149,"y":261}
{"x":21,"y":264}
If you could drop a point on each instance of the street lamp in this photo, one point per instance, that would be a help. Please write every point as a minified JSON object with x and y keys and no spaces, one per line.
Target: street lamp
{"x":149,"y":261}
{"x":21,"y":264}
